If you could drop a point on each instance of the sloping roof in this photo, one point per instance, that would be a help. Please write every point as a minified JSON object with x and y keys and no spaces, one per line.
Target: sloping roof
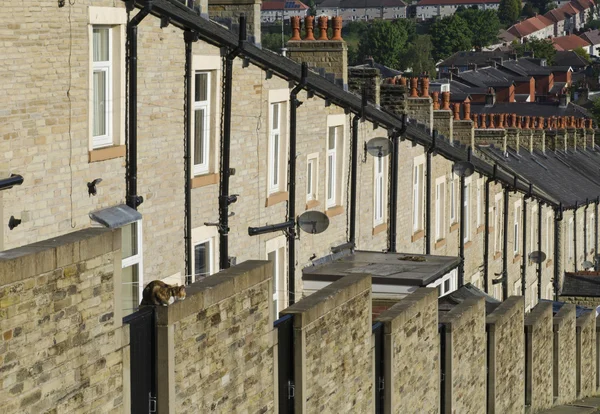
{"x":480,"y":58}
{"x":452,"y":2}
{"x":384,"y":71}
{"x":506,"y":36}
{"x":545,"y":109}
{"x":591,"y":36}
{"x":582,"y":5}
{"x":280,"y":5}
{"x":579,"y":310}
{"x":360,"y":4}
{"x":529,"y":26}
{"x":467,"y":291}
{"x":561,"y":13}
{"x":581,"y":284}
{"x":569,"y":58}
{"x":569,"y":42}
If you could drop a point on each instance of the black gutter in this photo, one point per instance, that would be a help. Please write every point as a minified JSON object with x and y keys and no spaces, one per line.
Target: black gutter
{"x":486,"y":232}
{"x":558,"y":216}
{"x":505,"y":246}
{"x":291,"y":234}
{"x":133,"y":200}
{"x":7,"y":183}
{"x":575,"y":236}
{"x":539,"y":248}
{"x":224,"y":199}
{"x":430,"y":151}
{"x":394,"y":160}
{"x":524,"y":252}
{"x":189,"y":38}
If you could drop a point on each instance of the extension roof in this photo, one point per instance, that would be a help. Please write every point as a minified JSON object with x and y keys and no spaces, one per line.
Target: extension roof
{"x":581,"y":284}
{"x":360,"y":4}
{"x":453,"y":2}
{"x":569,"y":42}
{"x":529,"y":26}
{"x":181,"y":16}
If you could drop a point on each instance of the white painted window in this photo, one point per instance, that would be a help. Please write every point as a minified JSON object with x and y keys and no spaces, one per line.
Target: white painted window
{"x":418,"y":178}
{"x":534,"y":229}
{"x":203,"y":259}
{"x":549,"y":239}
{"x":479,"y":202}
{"x":453,"y":199}
{"x":275,"y":253}
{"x":132,"y":265}
{"x":312,"y":174}
{"x":591,"y":230}
{"x":467,"y":210}
{"x":516,"y":227}
{"x":201,"y":119}
{"x":570,"y":231}
{"x":275,"y":153}
{"x":379,"y":190}
{"x":498,"y":222}
{"x":533,"y":295}
{"x":446,"y":284}
{"x":333,"y":187}
{"x":517,"y":288}
{"x":549,"y":291}
{"x":440,"y":208}
{"x":102,"y":88}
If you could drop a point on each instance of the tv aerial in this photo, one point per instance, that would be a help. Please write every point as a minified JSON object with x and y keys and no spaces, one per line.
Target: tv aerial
{"x":538,"y":257}
{"x":313,"y":222}
{"x":463,"y":168}
{"x":379,"y":147}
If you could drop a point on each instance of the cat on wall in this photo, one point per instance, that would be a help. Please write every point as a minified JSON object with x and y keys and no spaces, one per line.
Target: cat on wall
{"x":159,"y":293}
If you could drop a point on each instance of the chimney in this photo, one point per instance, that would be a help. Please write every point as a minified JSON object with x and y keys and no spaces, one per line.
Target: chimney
{"x":227,"y":13}
{"x":329,"y":54}
{"x":472,"y":66}
{"x":490,"y":98}
{"x":563,"y":99}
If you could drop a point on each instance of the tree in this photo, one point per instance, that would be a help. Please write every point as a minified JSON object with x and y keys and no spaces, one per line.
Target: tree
{"x":483,"y":24}
{"x":541,"y":48}
{"x":418,"y":56}
{"x":448,"y":35}
{"x":384,"y":41}
{"x":583,"y":53}
{"x":595,"y":110}
{"x":528,"y":10}
{"x":509,"y":11}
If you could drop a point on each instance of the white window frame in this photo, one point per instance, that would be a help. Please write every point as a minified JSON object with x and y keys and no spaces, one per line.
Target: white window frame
{"x":467,"y":207}
{"x":334,"y":165}
{"x":211,"y":261}
{"x":278,"y":245}
{"x":498,"y":222}
{"x":106,"y":67}
{"x":517,"y":287}
{"x":479,"y":202}
{"x":275,"y":163}
{"x":533,"y":289}
{"x":204,"y":234}
{"x":591,"y":233}
{"x":534,"y":229}
{"x":570,"y":230}
{"x":202,"y":167}
{"x":312,"y":184}
{"x":379,"y":165}
{"x":549,"y":291}
{"x":440,"y":208}
{"x":549,"y":240}
{"x":516,"y":227}
{"x":136,"y":259}
{"x":331,"y":168}
{"x":418,"y":178}
{"x":453,"y":198}
{"x":277,"y":182}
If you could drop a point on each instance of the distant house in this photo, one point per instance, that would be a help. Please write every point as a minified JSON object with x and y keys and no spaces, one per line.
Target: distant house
{"x":593,"y":38}
{"x":271,"y":11}
{"x":427,"y":9}
{"x":538,"y":27}
{"x":352,"y":10}
{"x":570,"y":16}
{"x":569,"y":42}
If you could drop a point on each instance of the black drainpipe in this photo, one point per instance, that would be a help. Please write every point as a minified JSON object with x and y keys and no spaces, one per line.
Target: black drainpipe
{"x":575,"y":236}
{"x":291,"y":234}
{"x":524,"y":252}
{"x":596,"y":232}
{"x":132,"y":199}
{"x":505,"y":246}
{"x":353,"y":173}
{"x":224,"y":198}
{"x":189,"y":37}
{"x":394,"y":160}
{"x":558,"y":216}
{"x":486,"y":233}
{"x":461,"y":235}
{"x":428,"y":193}
{"x":539,"y":248}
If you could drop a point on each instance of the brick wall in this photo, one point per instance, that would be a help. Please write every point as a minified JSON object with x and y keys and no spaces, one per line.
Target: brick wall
{"x":586,"y":352}
{"x":565,"y":351}
{"x":63,"y":348}
{"x":412,"y":353}
{"x":538,"y":352}
{"x":506,"y":357}
{"x":333,"y":354}
{"x":216,"y":348}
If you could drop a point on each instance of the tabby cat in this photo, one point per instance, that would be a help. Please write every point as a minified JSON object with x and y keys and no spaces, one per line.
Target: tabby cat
{"x":159,"y":293}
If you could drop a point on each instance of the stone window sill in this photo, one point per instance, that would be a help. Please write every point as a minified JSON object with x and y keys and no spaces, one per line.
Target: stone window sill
{"x":480,"y":229}
{"x":204,"y":180}
{"x":334,"y":211}
{"x":468,"y":244}
{"x":439,"y":244}
{"x":312,"y":204}
{"x":490,"y":229}
{"x":497,"y":255}
{"x":276,"y":198}
{"x":379,"y":228}
{"x":517,"y":258}
{"x":453,"y":227}
{"x":108,"y":153}
{"x":417,"y":236}
{"x":548,"y":263}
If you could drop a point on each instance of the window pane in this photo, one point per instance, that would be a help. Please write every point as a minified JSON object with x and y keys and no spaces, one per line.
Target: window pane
{"x":201,"y":261}
{"x":100,"y":98}
{"x":130,"y":289}
{"x":199,"y":136}
{"x":129,"y":241}
{"x":275,"y":115}
{"x":309,"y":179}
{"x":331,"y":142}
{"x":275,"y":159}
{"x":101,"y":45}
{"x":201,"y":89}
{"x":330,"y":177}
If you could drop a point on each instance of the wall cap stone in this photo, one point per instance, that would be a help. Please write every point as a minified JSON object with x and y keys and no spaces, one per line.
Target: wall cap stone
{"x":400,"y":312}
{"x":585,"y":319}
{"x":537,"y":314}
{"x":505,"y":311}
{"x":454,"y":318}
{"x":566,"y":313}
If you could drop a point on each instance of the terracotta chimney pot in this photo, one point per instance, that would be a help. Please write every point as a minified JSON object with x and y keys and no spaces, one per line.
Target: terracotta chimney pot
{"x":573,"y":121}
{"x":467,"y":106}
{"x":414,"y":83}
{"x":323,"y":23}
{"x":482,"y":121}
{"x":403,"y":81}
{"x":540,"y":124}
{"x":589,"y":123}
{"x":456,"y":111}
{"x":446,"y":101}
{"x":295,"y":21}
{"x":475,"y":117}
{"x":491,"y":124}
{"x":513,"y":120}
{"x":502,"y":121}
{"x":527,"y":119}
{"x":435,"y":97}
{"x":337,"y":28}
{"x":425,"y":86}
{"x":309,"y":24}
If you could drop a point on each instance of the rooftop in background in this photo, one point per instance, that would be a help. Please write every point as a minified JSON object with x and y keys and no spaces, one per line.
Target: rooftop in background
{"x":283,"y":5}
{"x":569,"y":58}
{"x":529,"y":26}
{"x":384,"y":71}
{"x":569,"y":42}
{"x":464,"y":59}
{"x":591,"y":36}
{"x":452,"y":2}
{"x":360,"y":4}
{"x":467,"y":291}
{"x":581,"y":284}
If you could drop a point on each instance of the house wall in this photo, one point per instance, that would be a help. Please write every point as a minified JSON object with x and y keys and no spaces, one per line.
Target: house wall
{"x":565,"y":387}
{"x":586,"y":351}
{"x":538,"y":353}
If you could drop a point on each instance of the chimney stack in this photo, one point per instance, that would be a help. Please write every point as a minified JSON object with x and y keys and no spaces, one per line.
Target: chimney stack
{"x":563,"y":99}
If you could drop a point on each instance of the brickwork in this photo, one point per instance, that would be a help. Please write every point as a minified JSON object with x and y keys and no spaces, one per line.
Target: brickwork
{"x":586,"y":352}
{"x":497,"y":137}
{"x":565,"y":351}
{"x":442,"y":122}
{"x":393,"y":98}
{"x":465,"y":357}
{"x":421,"y":109}
{"x":506,"y":357}
{"x":334,"y":362}
{"x":331,"y":55}
{"x":515,"y":138}
{"x":63,"y":347}
{"x":538,"y":352}
{"x":463,"y":132}
{"x":412,"y":345}
{"x":367,"y":78}
{"x":216,"y":347}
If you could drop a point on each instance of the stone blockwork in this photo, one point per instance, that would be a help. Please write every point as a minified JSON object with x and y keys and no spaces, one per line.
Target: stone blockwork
{"x":64,"y":348}
{"x":586,"y":352}
{"x":333,"y":350}
{"x":215,"y":349}
{"x":412,"y":354}
{"x":464,"y":340}
{"x":565,"y":351}
{"x":506,"y":357}
{"x":538,"y":353}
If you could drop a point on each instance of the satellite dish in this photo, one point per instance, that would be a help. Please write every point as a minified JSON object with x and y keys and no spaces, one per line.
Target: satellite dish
{"x":587,"y":265}
{"x":379,"y":147}
{"x":313,"y":222}
{"x":463,"y":168}
{"x":537,"y":257}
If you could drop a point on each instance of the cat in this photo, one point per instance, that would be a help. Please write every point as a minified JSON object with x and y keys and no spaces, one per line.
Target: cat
{"x":159,"y":293}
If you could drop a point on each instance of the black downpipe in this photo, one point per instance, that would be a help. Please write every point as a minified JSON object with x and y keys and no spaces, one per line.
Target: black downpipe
{"x":575,"y":236}
{"x":558,"y":216}
{"x":585,"y":231}
{"x":524,"y":257}
{"x":596,"y":232}
{"x":7,"y":183}
{"x":539,"y":248}
{"x":291,"y":234}
{"x":486,"y":233}
{"x":189,"y":38}
{"x":394,"y":160}
{"x":353,"y":173}
{"x":132,"y":199}
{"x":505,"y":246}
{"x":224,"y":198}
{"x":461,"y":237}
{"x":430,"y":150}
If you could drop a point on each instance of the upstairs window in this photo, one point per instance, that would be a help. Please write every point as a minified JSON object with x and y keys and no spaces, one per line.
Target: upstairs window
{"x":102,"y":87}
{"x":417,"y":218}
{"x":333,"y":184}
{"x":379,"y":191}
{"x":201,"y":107}
{"x":440,"y":208}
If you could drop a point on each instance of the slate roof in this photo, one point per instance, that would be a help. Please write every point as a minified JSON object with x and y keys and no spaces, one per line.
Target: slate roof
{"x":279,"y":5}
{"x":591,"y":36}
{"x":581,"y":284}
{"x":481,"y":58}
{"x":451,"y":2}
{"x":579,"y":310}
{"x":467,"y":291}
{"x":545,"y":109}
{"x":569,"y":58}
{"x":385,"y":71}
{"x":569,"y":42}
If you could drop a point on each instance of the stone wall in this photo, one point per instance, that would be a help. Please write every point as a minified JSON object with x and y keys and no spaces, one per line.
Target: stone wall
{"x":412,"y":354}
{"x":215,"y":349}
{"x":586,"y":352}
{"x":64,"y":348}
{"x":565,"y":350}
{"x":333,"y":350}
{"x":585,"y":301}
{"x":465,"y":358}
{"x":538,"y":353}
{"x":506,"y":357}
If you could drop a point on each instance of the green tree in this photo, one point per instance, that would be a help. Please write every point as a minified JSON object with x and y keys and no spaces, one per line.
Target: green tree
{"x":449,"y":35}
{"x":528,"y":10}
{"x":418,"y":56}
{"x":273,"y":41}
{"x":595,"y":110}
{"x":541,"y":48}
{"x":384,"y":41}
{"x":509,"y":11}
{"x":483,"y":24}
{"x":583,"y":53}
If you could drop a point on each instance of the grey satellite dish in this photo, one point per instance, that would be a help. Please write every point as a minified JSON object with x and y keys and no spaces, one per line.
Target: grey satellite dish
{"x":379,"y":147}
{"x":537,"y":257}
{"x":313,"y":222}
{"x":587,"y":265}
{"x":463,"y":168}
